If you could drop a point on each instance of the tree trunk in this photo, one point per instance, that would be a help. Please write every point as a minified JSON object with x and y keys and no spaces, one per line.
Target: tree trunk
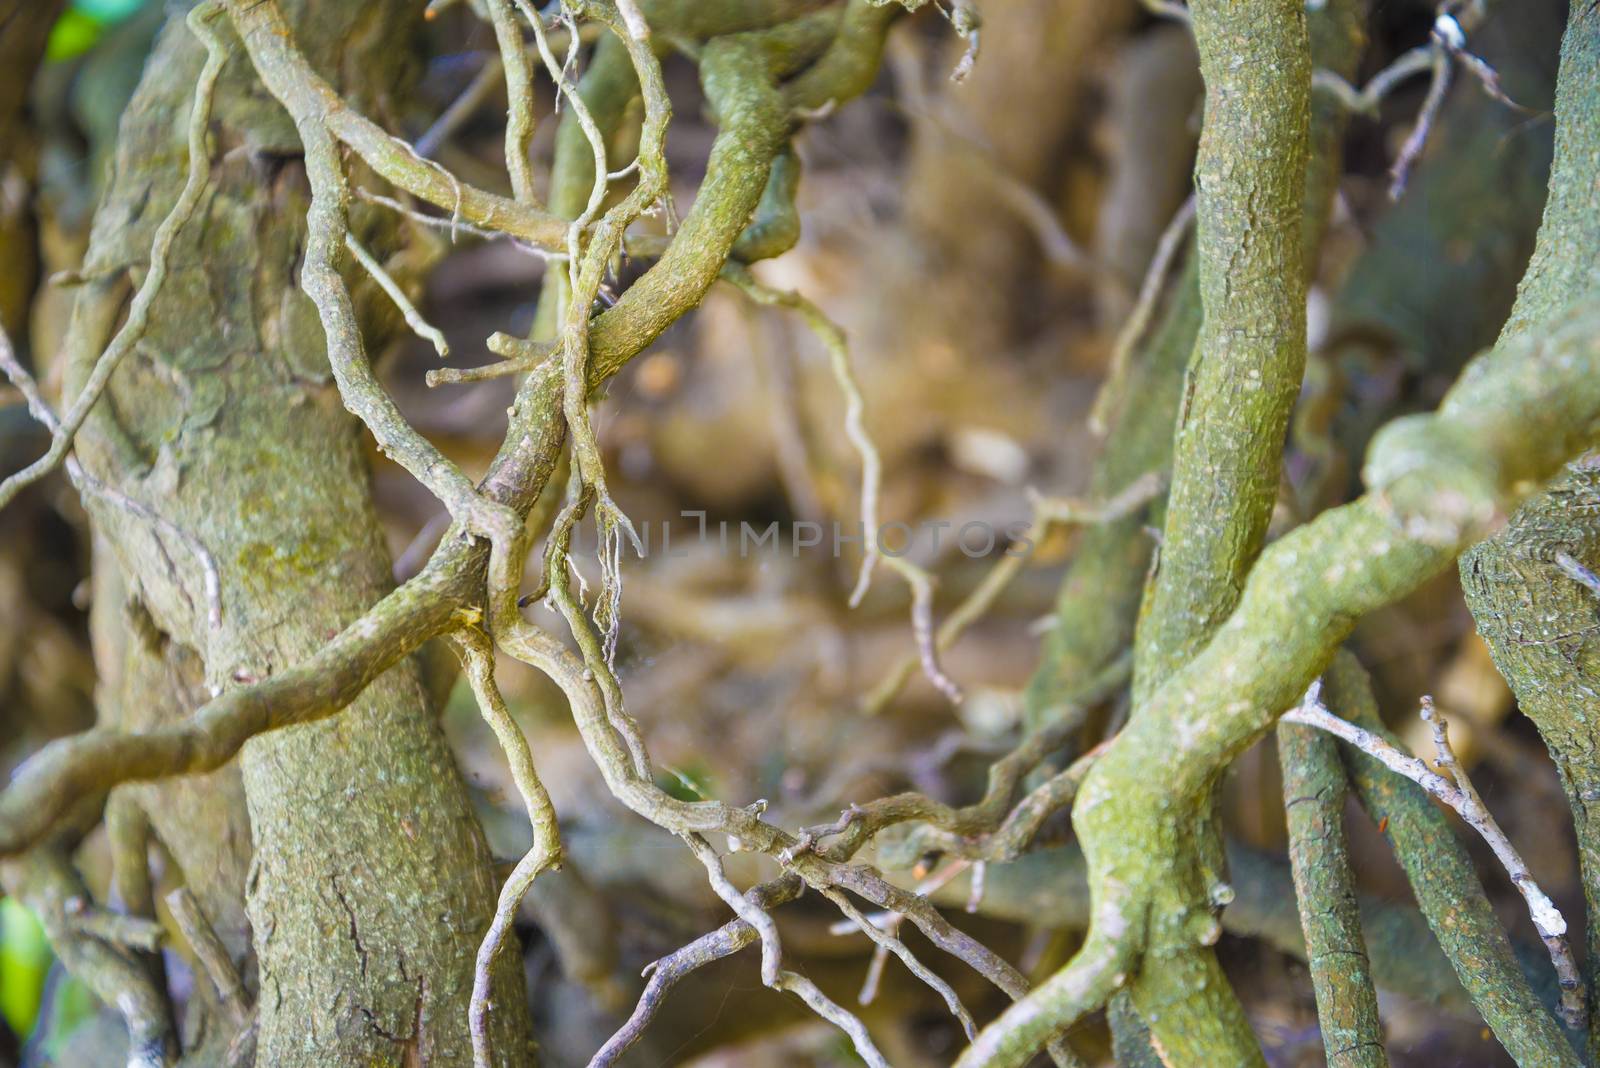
{"x":371,"y":883}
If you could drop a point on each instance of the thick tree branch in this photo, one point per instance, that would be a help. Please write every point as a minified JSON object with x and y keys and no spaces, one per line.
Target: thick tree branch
{"x":1250,"y":353}
{"x":1242,"y":381}
{"x":1437,"y":481}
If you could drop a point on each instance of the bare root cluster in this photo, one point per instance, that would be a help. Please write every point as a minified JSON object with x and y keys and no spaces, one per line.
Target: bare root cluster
{"x":1224,"y":657}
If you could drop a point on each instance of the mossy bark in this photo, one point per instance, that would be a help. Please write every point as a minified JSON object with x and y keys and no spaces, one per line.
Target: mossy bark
{"x":1098,"y":604}
{"x":1100,"y":598}
{"x":1250,"y":188}
{"x":1541,"y":627}
{"x":1250,"y":243}
{"x":1517,"y":414}
{"x":371,"y":882}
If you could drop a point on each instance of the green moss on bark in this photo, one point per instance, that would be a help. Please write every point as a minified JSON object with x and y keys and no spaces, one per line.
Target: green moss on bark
{"x":1565,"y":264}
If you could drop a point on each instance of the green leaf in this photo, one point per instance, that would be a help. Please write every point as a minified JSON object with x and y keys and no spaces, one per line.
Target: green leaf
{"x":687,"y":784}
{"x":24,"y":959}
{"x":73,"y":34}
{"x":82,"y":25}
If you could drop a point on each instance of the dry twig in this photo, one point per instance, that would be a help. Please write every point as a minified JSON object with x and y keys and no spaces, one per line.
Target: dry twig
{"x":419,"y":326}
{"x":1446,"y":47}
{"x":1459,"y":794}
{"x":1049,"y":513}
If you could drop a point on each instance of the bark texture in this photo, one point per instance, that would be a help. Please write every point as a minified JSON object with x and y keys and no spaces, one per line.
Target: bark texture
{"x":1525,"y":585}
{"x":1566,"y":260}
{"x":1314,"y":789}
{"x":1250,"y":190}
{"x":1518,"y":413}
{"x":371,"y":883}
{"x":1250,"y":183}
{"x":1098,"y":604}
{"x":200,"y":822}
{"x":1446,"y":886}
{"x":1542,"y":626}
